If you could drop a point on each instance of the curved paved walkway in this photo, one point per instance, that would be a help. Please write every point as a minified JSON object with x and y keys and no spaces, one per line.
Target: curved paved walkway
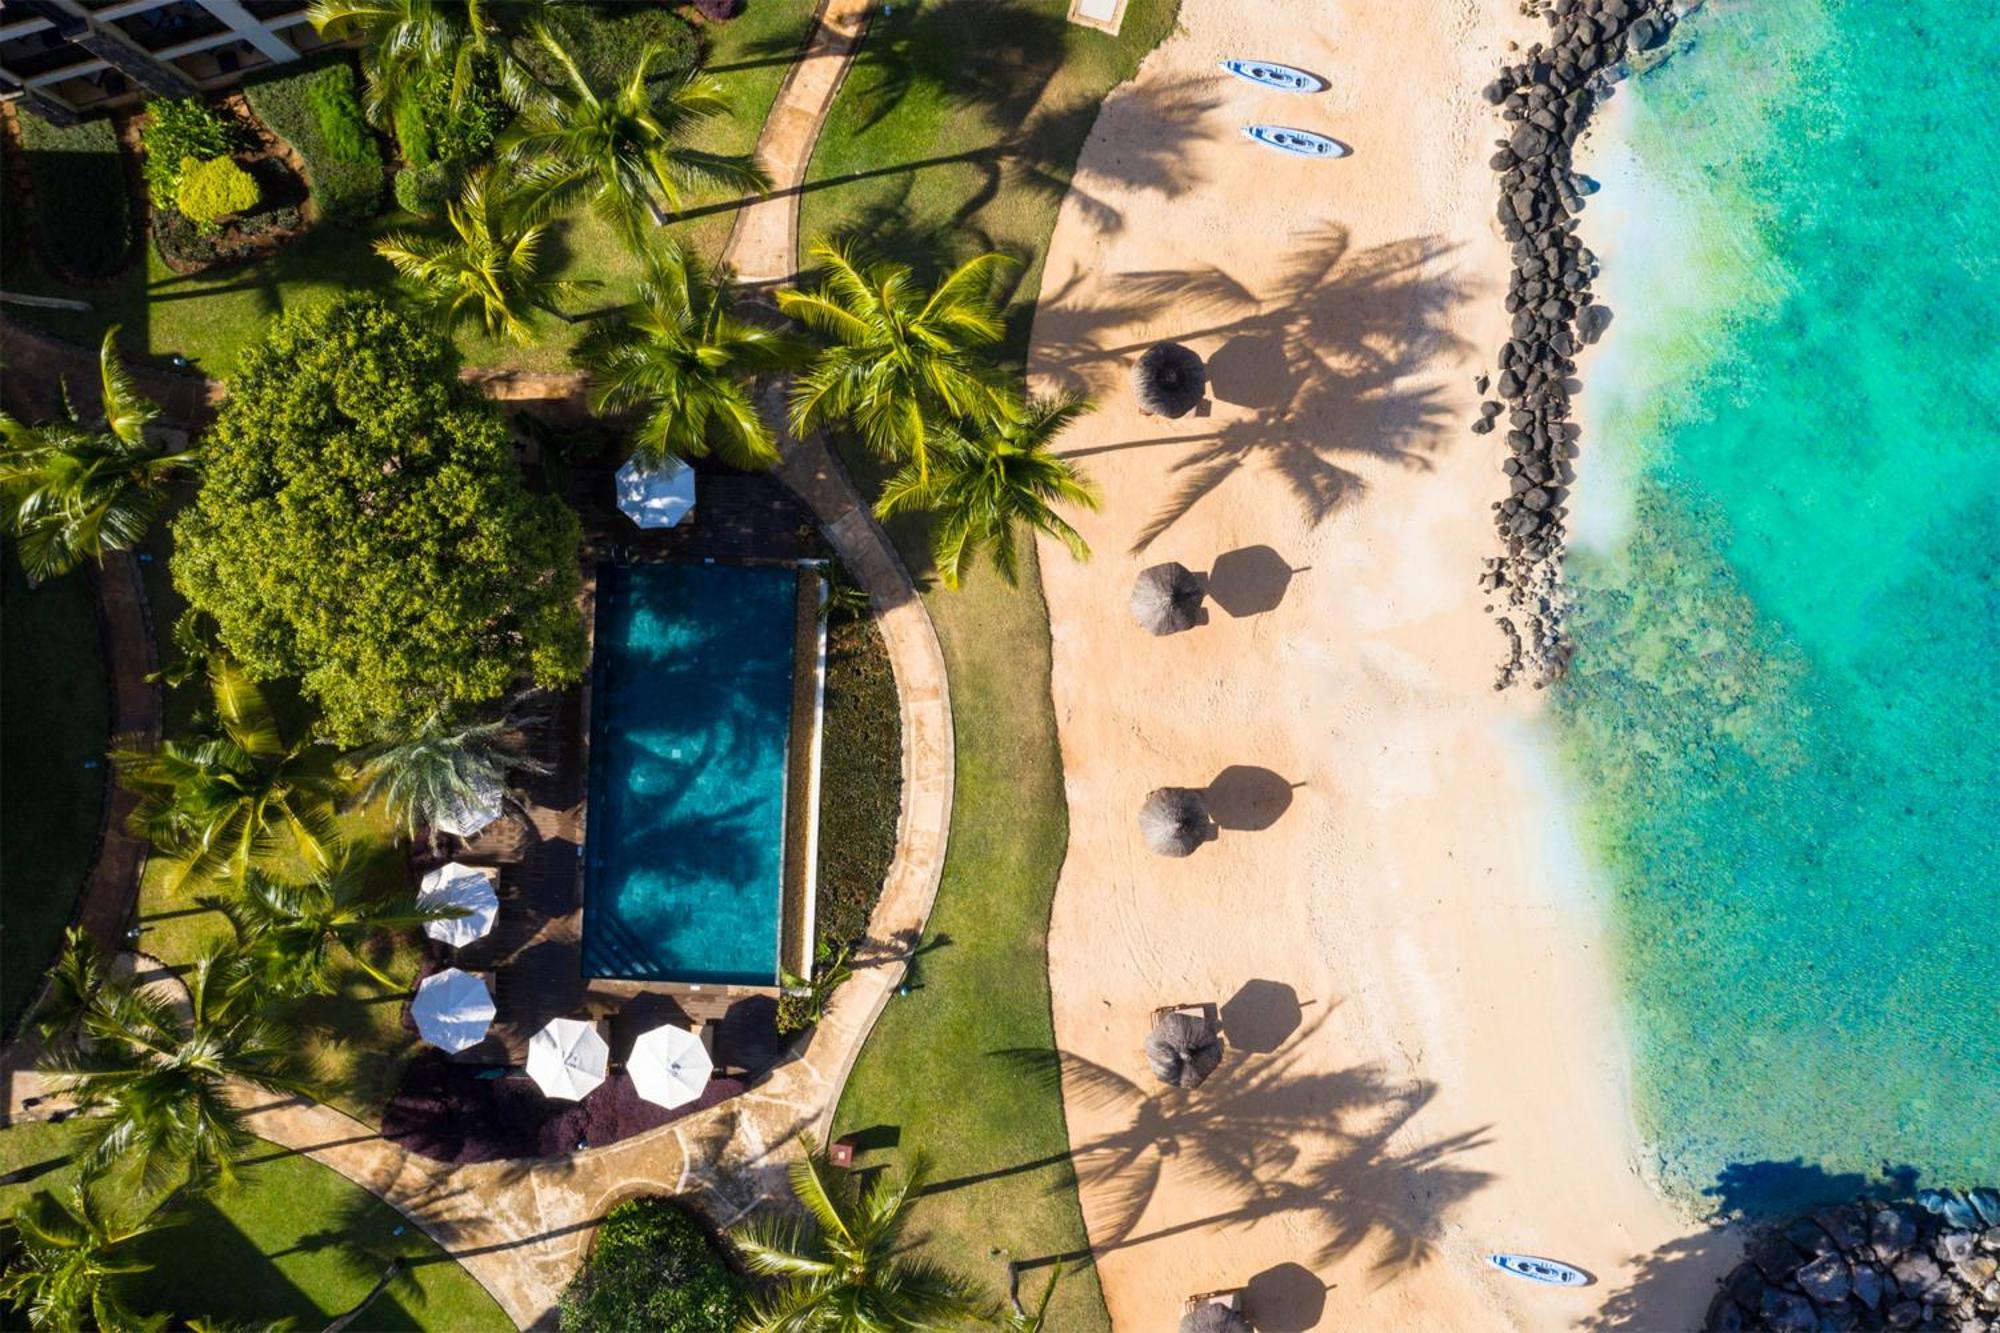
{"x":521,"y":1228}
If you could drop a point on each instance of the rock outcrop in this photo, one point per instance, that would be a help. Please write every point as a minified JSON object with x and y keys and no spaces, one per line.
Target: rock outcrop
{"x":1547,"y":97}
{"x":1929,"y":1264}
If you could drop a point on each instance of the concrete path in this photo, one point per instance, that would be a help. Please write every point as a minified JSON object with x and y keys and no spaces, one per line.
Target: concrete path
{"x":764,"y":246}
{"x":521,"y":1228}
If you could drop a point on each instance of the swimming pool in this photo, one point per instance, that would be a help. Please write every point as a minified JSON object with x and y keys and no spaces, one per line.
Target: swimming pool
{"x":690,"y":718}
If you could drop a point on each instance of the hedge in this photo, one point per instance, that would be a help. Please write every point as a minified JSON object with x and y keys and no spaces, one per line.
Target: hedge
{"x":83,"y":213}
{"x":861,"y":778}
{"x":653,"y":1267}
{"x":317,"y":114}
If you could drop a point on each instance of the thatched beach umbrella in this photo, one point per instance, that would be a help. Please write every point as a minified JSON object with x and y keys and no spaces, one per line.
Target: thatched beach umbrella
{"x":1174,"y":822}
{"x":1213,"y":1318}
{"x":1183,"y":1049}
{"x":1169,"y":380}
{"x":1166,"y":599}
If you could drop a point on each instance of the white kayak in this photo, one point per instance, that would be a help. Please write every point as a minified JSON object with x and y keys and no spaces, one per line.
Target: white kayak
{"x":1302,"y":143}
{"x":1540,"y":1270}
{"x":1271,"y":74}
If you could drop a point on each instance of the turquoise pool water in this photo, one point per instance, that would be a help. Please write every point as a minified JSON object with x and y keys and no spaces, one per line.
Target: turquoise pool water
{"x":1784,"y":713}
{"x":690,"y":713}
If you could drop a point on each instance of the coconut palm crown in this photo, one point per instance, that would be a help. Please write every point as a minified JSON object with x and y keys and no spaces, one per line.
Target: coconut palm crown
{"x":489,"y":268}
{"x":619,"y":148}
{"x":217,"y":804}
{"x":689,"y":363}
{"x":442,"y":765}
{"x":847,"y":1266}
{"x":154,"y":1073}
{"x":988,"y":483}
{"x":72,"y":490}
{"x":298,"y":935}
{"x":66,"y":1265}
{"x":899,"y":361}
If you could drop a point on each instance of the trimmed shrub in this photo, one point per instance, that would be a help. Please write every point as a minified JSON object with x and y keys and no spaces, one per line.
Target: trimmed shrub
{"x":430,"y":130}
{"x":178,"y":129}
{"x":424,"y":191}
{"x":212,"y":190}
{"x":83,"y":215}
{"x":653,"y":1267}
{"x":346,"y":181}
{"x":607,"y":40}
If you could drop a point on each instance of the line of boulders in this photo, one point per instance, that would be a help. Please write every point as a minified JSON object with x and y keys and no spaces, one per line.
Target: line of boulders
{"x":1932,"y":1264}
{"x":1547,"y":96}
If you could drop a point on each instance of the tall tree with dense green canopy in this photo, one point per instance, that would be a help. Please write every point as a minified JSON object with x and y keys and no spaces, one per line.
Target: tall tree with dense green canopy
{"x":489,"y":268}
{"x":848,"y":1266}
{"x":298,"y":935}
{"x":900,"y":361}
{"x":217,"y":804}
{"x":72,"y":490}
{"x":155,"y":1075}
{"x":684,"y":358}
{"x":361,"y":525}
{"x":66,"y":1263}
{"x":619,"y":147}
{"x":986,"y":485}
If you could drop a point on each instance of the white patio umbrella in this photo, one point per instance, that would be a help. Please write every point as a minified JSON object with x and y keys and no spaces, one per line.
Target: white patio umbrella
{"x":452,"y":1010}
{"x":656,"y":497}
{"x":669,"y":1066}
{"x":567,"y":1058}
{"x":456,"y":885}
{"x":467,"y":817}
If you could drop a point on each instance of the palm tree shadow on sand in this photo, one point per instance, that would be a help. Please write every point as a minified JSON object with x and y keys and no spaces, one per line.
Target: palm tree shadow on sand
{"x":1269,"y":1139}
{"x":1332,"y":360}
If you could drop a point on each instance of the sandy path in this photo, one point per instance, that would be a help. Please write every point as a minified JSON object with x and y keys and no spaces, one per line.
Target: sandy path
{"x":1425,"y":1064}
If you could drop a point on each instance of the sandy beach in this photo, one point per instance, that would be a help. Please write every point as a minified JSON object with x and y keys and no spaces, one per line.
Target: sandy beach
{"x":1425,"y":1063}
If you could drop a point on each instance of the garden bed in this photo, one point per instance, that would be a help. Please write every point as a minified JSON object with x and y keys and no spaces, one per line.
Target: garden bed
{"x":283,"y":211}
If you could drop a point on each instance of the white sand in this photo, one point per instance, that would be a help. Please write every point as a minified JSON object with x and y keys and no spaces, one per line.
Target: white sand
{"x":1453,"y":1081}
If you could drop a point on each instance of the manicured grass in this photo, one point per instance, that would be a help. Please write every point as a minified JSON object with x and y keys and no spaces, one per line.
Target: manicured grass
{"x":212,"y":317}
{"x":55,"y":720}
{"x":992,"y":101}
{"x":960,"y":125}
{"x":295,"y":1240}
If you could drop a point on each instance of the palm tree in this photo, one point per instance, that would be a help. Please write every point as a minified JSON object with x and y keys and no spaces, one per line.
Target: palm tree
{"x":217,"y":804}
{"x":154,"y":1074}
{"x":901,"y":360}
{"x":441,"y":767}
{"x":71,"y":489}
{"x":686,"y":359}
{"x":1018,"y":1318}
{"x":848,"y":1269}
{"x":65,"y":1268}
{"x":490,"y":267}
{"x":297,"y":934}
{"x":619,"y":148}
{"x":984,"y":487}
{"x":408,"y":43}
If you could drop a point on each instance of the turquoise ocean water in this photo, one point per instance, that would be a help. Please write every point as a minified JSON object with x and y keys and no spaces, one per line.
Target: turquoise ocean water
{"x":1785,"y":714}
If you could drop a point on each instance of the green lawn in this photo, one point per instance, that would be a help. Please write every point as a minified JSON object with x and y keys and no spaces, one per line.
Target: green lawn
{"x":294,"y":1240}
{"x":995,"y":100}
{"x":55,"y":720}
{"x":212,"y":317}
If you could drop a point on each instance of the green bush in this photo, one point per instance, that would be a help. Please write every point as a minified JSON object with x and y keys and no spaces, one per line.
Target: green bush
{"x":83,"y":215}
{"x":430,"y":129}
{"x":345,"y":180}
{"x":606,"y":41}
{"x":653,"y":1267}
{"x":212,"y":190}
{"x":361,"y":526}
{"x":177,"y":129}
{"x":424,"y":191}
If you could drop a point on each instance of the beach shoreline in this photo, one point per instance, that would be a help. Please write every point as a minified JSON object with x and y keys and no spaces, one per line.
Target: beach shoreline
{"x":1425,"y":1059}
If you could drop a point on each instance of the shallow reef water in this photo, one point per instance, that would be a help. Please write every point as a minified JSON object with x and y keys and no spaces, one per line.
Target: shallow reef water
{"x":1784,"y":715}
